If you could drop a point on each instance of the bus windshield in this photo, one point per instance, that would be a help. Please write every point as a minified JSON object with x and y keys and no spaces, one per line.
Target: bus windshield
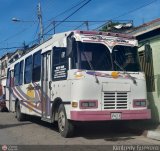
{"x":94,"y":56}
{"x":125,"y":58}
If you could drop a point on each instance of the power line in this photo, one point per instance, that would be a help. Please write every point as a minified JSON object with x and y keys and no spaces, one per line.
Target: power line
{"x":79,"y":26}
{"x":79,"y":21}
{"x":36,"y":31}
{"x":75,"y":21}
{"x":48,"y":5}
{"x":131,"y":11}
{"x":69,"y":9}
{"x":69,"y":16}
{"x":1,"y":49}
{"x":12,"y":36}
{"x":64,"y":12}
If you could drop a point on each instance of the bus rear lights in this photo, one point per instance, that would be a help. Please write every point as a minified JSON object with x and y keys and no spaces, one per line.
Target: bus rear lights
{"x":139,"y":103}
{"x":86,"y":104}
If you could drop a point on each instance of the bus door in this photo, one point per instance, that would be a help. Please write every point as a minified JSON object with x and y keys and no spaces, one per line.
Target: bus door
{"x":46,"y":81}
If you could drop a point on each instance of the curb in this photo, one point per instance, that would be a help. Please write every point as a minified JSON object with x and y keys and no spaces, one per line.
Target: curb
{"x":153,"y":135}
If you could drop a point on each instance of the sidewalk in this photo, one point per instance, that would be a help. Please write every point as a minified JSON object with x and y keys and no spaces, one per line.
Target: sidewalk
{"x":154,"y":133}
{"x":147,"y":129}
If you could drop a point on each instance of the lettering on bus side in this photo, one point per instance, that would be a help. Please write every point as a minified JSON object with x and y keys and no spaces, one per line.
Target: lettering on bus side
{"x":60,"y":72}
{"x":60,"y":65}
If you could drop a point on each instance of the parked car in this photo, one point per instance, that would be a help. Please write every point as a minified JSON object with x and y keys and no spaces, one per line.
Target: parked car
{"x":3,"y":107}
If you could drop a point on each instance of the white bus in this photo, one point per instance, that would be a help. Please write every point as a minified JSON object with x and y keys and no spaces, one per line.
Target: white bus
{"x":79,"y":76}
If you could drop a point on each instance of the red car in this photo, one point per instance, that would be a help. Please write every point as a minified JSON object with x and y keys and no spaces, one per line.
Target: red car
{"x":3,"y":107}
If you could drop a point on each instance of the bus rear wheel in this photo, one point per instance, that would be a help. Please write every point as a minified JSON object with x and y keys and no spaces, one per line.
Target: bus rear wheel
{"x":65,"y":126}
{"x":19,"y":115}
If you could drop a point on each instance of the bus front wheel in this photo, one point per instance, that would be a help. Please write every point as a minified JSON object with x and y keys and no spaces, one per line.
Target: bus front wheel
{"x":65,"y":126}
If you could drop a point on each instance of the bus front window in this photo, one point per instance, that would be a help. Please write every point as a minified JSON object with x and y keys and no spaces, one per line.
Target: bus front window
{"x":94,"y":56}
{"x":126,"y":58}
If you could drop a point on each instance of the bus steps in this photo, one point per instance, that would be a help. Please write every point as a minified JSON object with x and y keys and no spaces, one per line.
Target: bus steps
{"x":46,"y":119}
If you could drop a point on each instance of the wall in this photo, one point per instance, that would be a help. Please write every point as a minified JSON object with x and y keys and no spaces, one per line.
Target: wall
{"x":3,"y":72}
{"x":154,"y":95}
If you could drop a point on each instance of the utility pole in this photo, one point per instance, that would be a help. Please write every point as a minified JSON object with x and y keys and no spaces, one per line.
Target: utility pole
{"x":40,"y":22}
{"x":54,"y":25}
{"x":87,"y":24}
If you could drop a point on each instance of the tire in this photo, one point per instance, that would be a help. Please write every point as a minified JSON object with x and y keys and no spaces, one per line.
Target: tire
{"x":19,"y":115}
{"x":65,"y":126}
{"x":4,"y":109}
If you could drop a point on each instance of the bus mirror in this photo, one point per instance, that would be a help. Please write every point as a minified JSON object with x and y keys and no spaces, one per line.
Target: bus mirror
{"x":148,"y":52}
{"x":70,"y":45}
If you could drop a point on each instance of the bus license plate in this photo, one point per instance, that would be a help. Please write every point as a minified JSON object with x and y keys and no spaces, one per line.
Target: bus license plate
{"x":115,"y":116}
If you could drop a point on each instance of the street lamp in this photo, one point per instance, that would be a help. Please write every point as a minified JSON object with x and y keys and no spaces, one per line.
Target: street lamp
{"x":17,"y":20}
{"x":14,"y":19}
{"x":39,"y":15}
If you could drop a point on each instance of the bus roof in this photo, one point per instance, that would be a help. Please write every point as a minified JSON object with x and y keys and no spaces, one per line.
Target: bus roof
{"x":59,"y":40}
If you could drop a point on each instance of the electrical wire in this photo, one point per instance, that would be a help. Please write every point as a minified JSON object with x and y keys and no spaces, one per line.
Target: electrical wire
{"x":12,"y":36}
{"x":69,"y":16}
{"x":69,"y":9}
{"x":133,"y":10}
{"x":1,"y":49}
{"x":130,"y":11}
{"x":64,"y":12}
{"x":79,"y":26}
{"x":36,"y":31}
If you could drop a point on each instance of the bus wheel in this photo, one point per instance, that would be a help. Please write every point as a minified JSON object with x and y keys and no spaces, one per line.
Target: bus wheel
{"x":65,"y":126}
{"x":19,"y":115}
{"x":4,"y":109}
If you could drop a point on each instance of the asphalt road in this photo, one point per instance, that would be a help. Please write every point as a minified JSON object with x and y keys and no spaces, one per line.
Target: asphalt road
{"x":36,"y":132}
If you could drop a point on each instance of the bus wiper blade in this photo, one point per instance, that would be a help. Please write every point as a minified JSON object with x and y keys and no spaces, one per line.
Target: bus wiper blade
{"x":118,"y":65}
{"x":97,"y":81}
{"x":133,"y":79}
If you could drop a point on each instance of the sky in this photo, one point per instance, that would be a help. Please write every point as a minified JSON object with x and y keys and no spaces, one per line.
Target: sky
{"x":14,"y":34}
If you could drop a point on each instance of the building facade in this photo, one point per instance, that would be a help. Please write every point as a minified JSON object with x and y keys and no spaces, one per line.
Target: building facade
{"x":148,"y":36}
{"x":3,"y":70}
{"x":4,"y":61}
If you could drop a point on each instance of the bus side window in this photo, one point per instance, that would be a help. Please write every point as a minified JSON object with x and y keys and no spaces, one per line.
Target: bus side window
{"x":16,"y":74}
{"x":59,"y":71}
{"x":36,"y":73}
{"x":21,"y":73}
{"x":28,"y":70}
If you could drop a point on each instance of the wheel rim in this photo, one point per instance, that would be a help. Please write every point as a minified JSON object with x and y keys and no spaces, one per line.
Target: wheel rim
{"x":61,"y":120}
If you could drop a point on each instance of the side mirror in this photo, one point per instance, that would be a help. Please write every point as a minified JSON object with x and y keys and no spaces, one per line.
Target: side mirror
{"x":70,"y":45}
{"x":148,"y":52}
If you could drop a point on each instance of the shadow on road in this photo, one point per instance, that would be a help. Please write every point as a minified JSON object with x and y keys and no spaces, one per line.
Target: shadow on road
{"x":37,"y":120}
{"x":109,"y":131}
{"x":12,"y":125}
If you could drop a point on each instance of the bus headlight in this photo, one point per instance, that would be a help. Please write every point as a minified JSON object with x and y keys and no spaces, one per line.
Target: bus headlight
{"x":85,"y":104}
{"x":139,"y":103}
{"x":115,"y":74}
{"x":74,"y":104}
{"x":79,"y":74}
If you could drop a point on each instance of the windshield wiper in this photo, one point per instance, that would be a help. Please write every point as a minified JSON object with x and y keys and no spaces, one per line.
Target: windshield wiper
{"x":97,"y":81}
{"x":118,"y":65}
{"x":133,"y":79}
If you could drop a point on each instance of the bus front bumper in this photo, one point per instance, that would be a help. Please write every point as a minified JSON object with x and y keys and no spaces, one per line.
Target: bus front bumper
{"x":107,"y":115}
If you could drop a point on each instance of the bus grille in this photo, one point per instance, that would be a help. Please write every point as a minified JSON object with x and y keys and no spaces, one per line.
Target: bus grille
{"x":115,"y":100}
